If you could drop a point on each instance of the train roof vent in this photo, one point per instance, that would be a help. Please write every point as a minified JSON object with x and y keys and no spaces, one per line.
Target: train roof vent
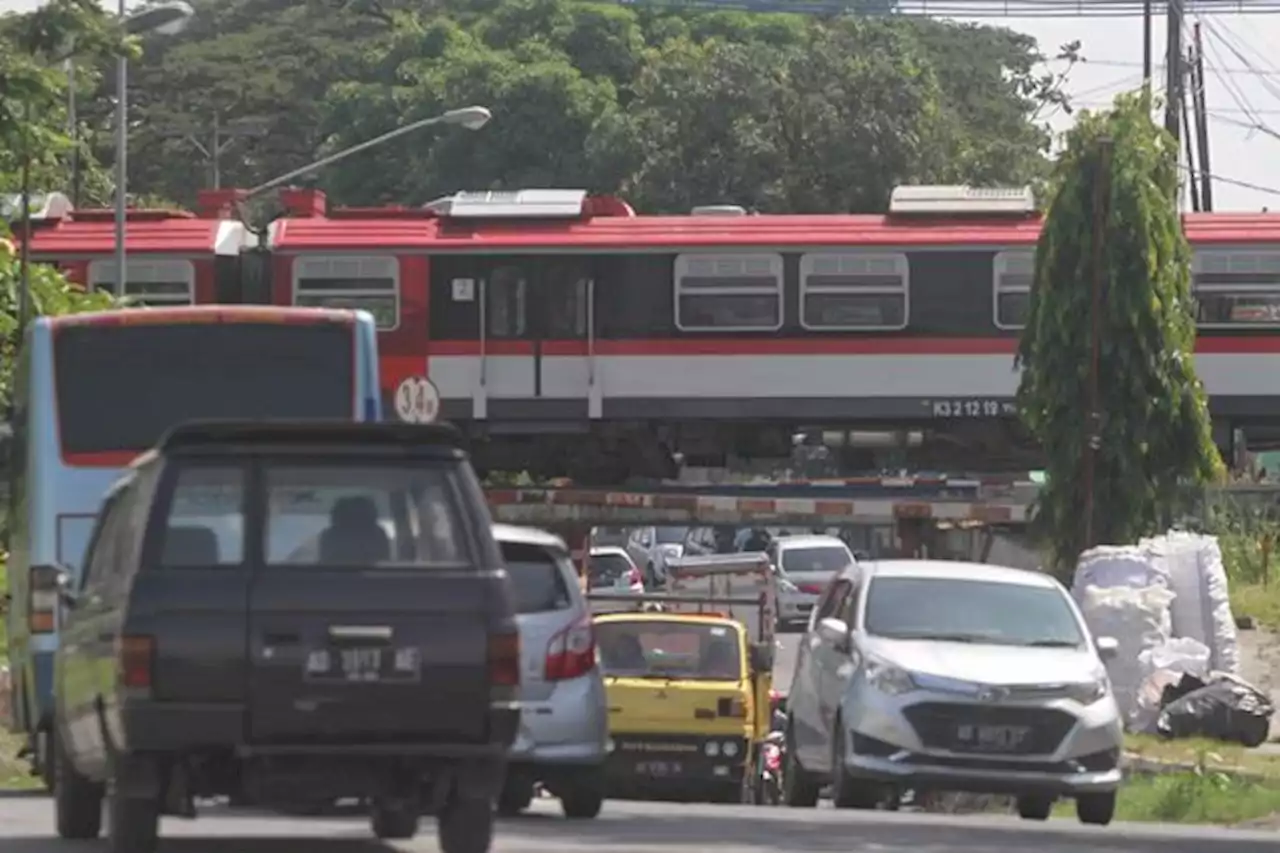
{"x":520,"y":204}
{"x":1008,"y":201}
{"x":718,"y":210}
{"x":43,"y":207}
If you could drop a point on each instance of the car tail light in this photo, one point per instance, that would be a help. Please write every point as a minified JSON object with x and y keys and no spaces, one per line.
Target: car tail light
{"x":633,"y":576}
{"x":571,"y":652}
{"x":43,"y":599}
{"x":136,"y":656}
{"x":811,"y":588}
{"x":504,"y":659}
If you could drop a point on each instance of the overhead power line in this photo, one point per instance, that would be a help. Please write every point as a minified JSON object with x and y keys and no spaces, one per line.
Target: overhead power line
{"x":976,"y":9}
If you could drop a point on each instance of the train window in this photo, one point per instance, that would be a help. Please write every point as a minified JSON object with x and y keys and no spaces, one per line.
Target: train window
{"x":506,"y":302}
{"x":1012,"y":274}
{"x":369,"y":283}
{"x":858,"y":290}
{"x":152,"y":281}
{"x":728,"y":293}
{"x":1236,"y":288}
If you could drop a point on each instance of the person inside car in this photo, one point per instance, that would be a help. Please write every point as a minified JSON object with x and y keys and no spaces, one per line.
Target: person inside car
{"x":354,"y":534}
{"x":720,"y":660}
{"x":624,"y":654}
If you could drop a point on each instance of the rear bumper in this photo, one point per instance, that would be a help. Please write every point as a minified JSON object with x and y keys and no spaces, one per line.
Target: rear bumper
{"x":569,"y":727}
{"x":180,"y":727}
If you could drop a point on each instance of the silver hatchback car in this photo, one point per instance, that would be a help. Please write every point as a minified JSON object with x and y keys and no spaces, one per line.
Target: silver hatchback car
{"x":929,"y":675}
{"x":564,"y":725}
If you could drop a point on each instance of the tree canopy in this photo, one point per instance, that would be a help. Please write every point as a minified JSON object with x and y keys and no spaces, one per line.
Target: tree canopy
{"x":670,"y":108}
{"x":1155,"y":431}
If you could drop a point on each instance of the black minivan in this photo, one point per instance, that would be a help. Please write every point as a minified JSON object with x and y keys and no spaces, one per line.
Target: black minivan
{"x":285,"y":613}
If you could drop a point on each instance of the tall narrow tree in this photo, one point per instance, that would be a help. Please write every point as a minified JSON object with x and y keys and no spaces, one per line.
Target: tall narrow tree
{"x":1154,"y":429}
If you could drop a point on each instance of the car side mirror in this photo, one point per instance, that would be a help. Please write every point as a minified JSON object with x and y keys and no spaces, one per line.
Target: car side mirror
{"x":761,"y":657}
{"x":67,"y":592}
{"x":1108,"y":647}
{"x":836,"y":632}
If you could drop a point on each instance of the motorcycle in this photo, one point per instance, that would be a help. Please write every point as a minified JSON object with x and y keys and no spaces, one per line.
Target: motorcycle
{"x":772,"y":752}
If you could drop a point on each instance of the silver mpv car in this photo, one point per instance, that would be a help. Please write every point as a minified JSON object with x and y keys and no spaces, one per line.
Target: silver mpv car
{"x":563,"y":716}
{"x":928,"y":675}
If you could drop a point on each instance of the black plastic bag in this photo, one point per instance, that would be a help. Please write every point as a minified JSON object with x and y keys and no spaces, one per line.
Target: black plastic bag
{"x":1226,"y":709}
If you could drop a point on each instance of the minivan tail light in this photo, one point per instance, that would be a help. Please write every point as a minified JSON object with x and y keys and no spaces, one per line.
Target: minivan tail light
{"x":571,"y":652}
{"x":43,"y":599}
{"x":504,"y":659}
{"x":136,"y":655}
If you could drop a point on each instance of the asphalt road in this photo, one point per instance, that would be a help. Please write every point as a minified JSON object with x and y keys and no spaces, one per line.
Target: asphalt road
{"x":26,"y":826}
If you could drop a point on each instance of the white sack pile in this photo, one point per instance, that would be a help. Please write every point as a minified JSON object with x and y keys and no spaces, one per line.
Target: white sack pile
{"x":1138,"y":618}
{"x":1202,"y":609}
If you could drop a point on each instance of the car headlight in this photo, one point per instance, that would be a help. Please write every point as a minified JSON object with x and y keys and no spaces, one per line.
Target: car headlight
{"x":730,"y":749}
{"x":712,"y":749}
{"x":1087,"y":692}
{"x":887,"y":678}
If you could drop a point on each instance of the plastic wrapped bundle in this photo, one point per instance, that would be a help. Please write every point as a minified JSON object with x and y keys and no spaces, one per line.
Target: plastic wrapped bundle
{"x":1116,"y":565}
{"x":1138,"y":619}
{"x":1202,"y":609}
{"x":1165,"y":665}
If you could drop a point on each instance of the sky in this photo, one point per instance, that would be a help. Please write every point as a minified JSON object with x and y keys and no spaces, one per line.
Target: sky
{"x":1242,"y":86}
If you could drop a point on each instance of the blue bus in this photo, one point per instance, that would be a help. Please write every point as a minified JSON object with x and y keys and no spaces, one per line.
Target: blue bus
{"x":93,"y":391}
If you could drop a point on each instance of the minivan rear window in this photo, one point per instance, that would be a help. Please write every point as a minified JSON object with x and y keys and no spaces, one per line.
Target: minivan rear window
{"x":537,"y":583}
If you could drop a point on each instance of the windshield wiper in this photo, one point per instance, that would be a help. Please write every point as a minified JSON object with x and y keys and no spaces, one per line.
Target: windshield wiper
{"x":1052,"y":644}
{"x":940,"y":638}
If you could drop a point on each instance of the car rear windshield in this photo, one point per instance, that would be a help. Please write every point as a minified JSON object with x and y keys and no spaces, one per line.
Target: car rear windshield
{"x":653,"y":648}
{"x":537,"y":579}
{"x":607,"y":568}
{"x":823,"y":558}
{"x":972,"y":611}
{"x":119,"y":388}
{"x":670,"y":535}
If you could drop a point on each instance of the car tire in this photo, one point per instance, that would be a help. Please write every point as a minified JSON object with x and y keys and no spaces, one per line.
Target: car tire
{"x":516,"y":796}
{"x":394,"y":820}
{"x":582,"y":803}
{"x":799,"y":789}
{"x":133,"y":823}
{"x":465,"y":826}
{"x":77,"y":801}
{"x":1096,"y":809}
{"x":1035,"y":808}
{"x":846,"y":791}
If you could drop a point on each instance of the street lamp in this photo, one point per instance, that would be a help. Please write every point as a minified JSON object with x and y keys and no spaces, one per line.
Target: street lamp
{"x":468,"y":118}
{"x":166,"y":19}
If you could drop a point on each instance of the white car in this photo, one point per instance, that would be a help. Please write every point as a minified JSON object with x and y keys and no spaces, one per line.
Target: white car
{"x":652,"y":547}
{"x":805,"y":565}
{"x":611,"y":569}
{"x":934,"y":675}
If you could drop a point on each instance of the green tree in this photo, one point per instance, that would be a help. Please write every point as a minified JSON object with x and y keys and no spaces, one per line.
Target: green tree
{"x":1155,"y":434}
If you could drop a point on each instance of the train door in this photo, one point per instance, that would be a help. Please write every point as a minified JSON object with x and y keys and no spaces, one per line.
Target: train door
{"x":536,"y":328}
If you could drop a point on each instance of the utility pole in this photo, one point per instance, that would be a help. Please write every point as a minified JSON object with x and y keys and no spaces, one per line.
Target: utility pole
{"x":1188,"y":135}
{"x":1173,"y":77}
{"x":1101,"y":213}
{"x":1146,"y":43}
{"x":1202,"y":122}
{"x":221,"y":137}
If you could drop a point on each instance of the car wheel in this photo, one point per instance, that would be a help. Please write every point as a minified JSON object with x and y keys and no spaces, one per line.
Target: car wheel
{"x":394,"y":819}
{"x":77,"y":801}
{"x":847,"y":792}
{"x":133,"y":823}
{"x":515,"y":797}
{"x":465,"y":826}
{"x":1035,"y":808}
{"x":1096,"y":809}
{"x":582,"y":803}
{"x":799,"y":789}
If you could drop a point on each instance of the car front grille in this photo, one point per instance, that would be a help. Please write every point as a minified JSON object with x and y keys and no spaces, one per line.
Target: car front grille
{"x":978,"y":729}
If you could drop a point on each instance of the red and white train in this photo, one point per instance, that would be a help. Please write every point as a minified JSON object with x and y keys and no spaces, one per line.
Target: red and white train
{"x":572,"y":335}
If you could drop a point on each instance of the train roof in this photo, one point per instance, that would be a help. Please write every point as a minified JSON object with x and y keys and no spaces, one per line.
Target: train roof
{"x":91,"y":233}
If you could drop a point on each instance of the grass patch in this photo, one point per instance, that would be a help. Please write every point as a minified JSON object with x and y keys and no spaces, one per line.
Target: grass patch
{"x":15,"y":773}
{"x":1210,"y":754}
{"x":1206,"y":798}
{"x":1259,"y":601}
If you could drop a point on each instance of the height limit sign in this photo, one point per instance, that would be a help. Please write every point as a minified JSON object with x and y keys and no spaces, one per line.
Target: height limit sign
{"x":417,"y":400}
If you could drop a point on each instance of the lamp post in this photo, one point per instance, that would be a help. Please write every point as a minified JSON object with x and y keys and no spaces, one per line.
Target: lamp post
{"x":469,"y":118}
{"x":167,"y":19}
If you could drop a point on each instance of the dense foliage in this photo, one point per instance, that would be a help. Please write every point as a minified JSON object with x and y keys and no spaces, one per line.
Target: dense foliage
{"x":670,"y":108}
{"x":1155,"y":428}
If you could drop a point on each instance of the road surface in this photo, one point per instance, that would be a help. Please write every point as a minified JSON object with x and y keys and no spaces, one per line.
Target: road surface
{"x":26,"y":826}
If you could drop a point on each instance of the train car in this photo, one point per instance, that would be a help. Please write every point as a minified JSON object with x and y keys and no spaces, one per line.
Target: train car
{"x":175,"y":257}
{"x":574,"y":335}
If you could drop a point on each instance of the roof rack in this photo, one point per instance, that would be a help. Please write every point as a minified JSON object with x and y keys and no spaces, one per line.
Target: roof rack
{"x":43,"y":207}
